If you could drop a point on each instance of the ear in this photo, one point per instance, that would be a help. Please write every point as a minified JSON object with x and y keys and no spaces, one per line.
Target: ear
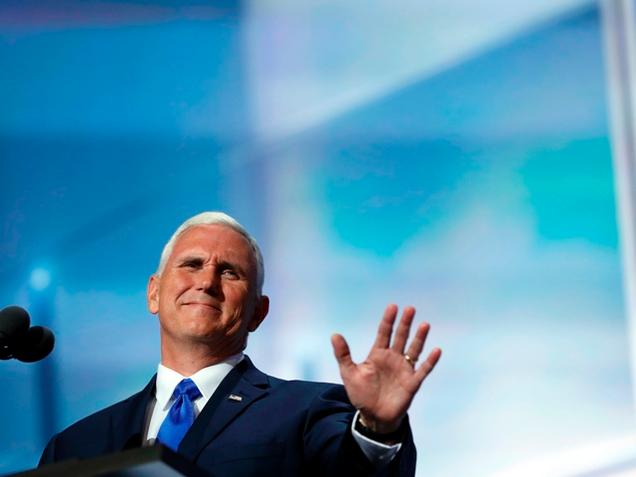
{"x":260,"y":312}
{"x":152,"y":294}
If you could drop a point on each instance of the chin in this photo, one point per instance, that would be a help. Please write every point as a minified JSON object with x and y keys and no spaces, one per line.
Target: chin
{"x":202,"y":331}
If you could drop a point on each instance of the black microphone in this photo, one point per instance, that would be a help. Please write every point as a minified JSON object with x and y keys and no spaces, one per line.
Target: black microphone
{"x":18,"y":340}
{"x":14,"y":325}
{"x":36,"y":345}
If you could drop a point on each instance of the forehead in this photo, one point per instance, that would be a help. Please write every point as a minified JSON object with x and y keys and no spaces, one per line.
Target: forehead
{"x":214,"y":239}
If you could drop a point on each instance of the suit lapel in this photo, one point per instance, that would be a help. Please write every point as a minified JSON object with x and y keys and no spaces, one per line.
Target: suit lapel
{"x":128,"y":424}
{"x":240,"y":388}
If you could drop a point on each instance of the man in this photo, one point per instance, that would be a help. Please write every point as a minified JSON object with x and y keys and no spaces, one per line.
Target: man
{"x":210,"y":403}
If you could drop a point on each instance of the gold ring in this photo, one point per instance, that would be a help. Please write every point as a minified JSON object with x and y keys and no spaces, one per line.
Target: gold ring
{"x":410,"y":360}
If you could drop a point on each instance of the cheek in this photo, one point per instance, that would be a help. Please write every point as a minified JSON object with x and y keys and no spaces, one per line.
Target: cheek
{"x":235,"y":316}
{"x":240,"y":306}
{"x":172,"y":290}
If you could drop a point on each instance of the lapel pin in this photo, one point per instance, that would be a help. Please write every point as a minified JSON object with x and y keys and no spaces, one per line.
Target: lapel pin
{"x":235,"y":397}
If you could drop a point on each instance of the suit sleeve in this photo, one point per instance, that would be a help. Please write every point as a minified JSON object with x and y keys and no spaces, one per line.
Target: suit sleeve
{"x":330,"y":448}
{"x":48,"y":455}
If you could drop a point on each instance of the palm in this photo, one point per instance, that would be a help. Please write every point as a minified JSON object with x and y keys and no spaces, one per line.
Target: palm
{"x":383,"y":385}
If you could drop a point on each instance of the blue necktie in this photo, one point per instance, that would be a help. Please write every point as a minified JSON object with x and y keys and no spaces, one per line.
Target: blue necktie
{"x":180,"y":416}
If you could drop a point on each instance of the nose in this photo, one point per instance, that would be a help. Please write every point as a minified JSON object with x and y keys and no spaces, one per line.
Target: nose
{"x":209,"y":281}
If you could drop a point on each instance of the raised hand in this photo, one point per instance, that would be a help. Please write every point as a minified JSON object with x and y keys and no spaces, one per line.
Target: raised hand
{"x":382,"y":387}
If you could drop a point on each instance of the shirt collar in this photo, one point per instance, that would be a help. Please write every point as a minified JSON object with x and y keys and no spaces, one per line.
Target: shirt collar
{"x":206,"y":379}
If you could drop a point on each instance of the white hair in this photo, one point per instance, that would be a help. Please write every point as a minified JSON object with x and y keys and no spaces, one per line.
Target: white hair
{"x":211,"y":218}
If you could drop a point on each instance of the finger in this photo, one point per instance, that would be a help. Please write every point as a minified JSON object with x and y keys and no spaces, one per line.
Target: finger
{"x":385,"y":329}
{"x":342,"y":353}
{"x":415,"y":349}
{"x":427,"y":366}
{"x":402,"y":332}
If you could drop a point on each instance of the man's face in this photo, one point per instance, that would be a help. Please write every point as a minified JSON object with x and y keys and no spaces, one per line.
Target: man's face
{"x":207,"y":291}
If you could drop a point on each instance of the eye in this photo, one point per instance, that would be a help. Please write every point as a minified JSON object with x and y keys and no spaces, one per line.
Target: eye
{"x":229,"y":273}
{"x":193,"y":263}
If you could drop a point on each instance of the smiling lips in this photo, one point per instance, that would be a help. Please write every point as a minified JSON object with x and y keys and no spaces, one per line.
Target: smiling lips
{"x":203,"y":303}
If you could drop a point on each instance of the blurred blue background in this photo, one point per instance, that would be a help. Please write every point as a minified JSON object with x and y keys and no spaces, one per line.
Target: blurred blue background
{"x":447,"y":155}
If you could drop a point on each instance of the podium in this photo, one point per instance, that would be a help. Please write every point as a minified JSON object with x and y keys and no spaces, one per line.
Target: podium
{"x":157,"y":461}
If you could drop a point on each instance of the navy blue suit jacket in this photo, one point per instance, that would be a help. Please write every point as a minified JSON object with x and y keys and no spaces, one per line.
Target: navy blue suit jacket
{"x":282,"y":428}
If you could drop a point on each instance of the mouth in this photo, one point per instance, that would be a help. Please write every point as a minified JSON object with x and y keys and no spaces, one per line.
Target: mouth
{"x":203,"y":304}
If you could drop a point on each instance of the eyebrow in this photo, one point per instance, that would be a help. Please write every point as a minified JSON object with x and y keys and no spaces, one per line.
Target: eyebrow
{"x":221,"y":264}
{"x":189,"y":258}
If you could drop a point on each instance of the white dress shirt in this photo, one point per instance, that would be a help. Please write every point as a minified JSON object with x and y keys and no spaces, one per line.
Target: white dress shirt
{"x":207,"y":380}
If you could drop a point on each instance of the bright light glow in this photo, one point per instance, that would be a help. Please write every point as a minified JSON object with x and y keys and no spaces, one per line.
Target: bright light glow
{"x":327,"y":74}
{"x":40,"y":279}
{"x":591,"y":458}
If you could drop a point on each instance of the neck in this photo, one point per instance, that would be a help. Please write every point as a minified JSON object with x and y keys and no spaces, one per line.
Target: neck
{"x":188,"y":358}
